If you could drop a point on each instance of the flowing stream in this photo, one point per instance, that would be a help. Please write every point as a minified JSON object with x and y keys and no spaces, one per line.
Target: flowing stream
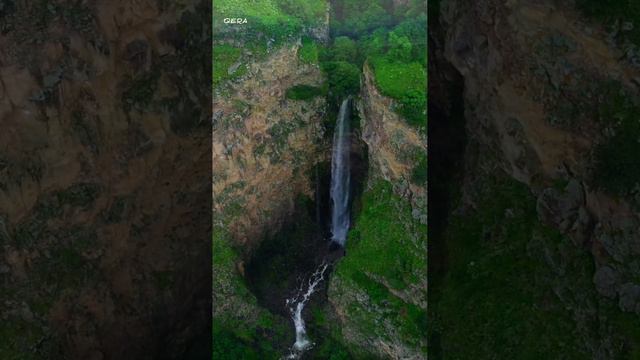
{"x":296,"y":305}
{"x":340,"y":182}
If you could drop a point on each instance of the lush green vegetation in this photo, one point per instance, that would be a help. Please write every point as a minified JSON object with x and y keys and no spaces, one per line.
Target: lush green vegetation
{"x":399,"y":63}
{"x":343,"y":79}
{"x":356,"y":17}
{"x":224,"y":56}
{"x":381,"y":240}
{"x":397,"y":56}
{"x":270,"y":23}
{"x":383,"y":251}
{"x":498,"y":297}
{"x":276,"y":17}
{"x":303,"y":92}
{"x":309,"y":51}
{"x":405,"y":82}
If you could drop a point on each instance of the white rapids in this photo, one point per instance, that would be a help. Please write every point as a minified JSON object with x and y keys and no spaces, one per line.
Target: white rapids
{"x":296,"y":305}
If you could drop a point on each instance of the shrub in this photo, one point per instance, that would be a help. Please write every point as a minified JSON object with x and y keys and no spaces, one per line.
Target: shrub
{"x":309,"y":52}
{"x":399,"y":47}
{"x":343,"y":78}
{"x":344,"y":49}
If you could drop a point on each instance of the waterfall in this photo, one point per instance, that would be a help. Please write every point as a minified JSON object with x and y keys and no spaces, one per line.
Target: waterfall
{"x":296,"y":305}
{"x":340,"y":183}
{"x":318,"y":198}
{"x":340,"y":175}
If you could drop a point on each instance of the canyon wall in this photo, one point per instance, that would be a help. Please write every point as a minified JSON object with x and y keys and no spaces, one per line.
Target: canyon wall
{"x":550,"y":103}
{"x":265,"y":145}
{"x":103,"y":145}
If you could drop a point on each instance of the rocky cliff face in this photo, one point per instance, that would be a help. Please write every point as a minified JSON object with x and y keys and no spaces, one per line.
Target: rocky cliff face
{"x":265,"y":146}
{"x":101,"y":141}
{"x":547,"y":94}
{"x":395,"y":148}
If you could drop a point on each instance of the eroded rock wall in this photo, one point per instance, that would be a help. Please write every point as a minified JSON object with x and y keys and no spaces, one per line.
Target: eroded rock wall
{"x":536,"y":78}
{"x":103,"y":155}
{"x":265,"y":146}
{"x":394,"y":146}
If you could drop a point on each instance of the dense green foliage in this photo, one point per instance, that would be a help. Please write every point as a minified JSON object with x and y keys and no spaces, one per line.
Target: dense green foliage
{"x":303,"y":92}
{"x":356,"y":17}
{"x":226,"y":345}
{"x":343,"y":79}
{"x":393,"y":39}
{"x":498,"y":298}
{"x":344,"y":49}
{"x":385,"y":250}
{"x":405,"y":82}
{"x":398,"y":60}
{"x":309,"y":51}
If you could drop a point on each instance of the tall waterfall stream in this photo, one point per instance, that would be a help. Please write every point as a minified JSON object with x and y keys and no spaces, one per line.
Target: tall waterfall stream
{"x":340,"y":184}
{"x":340,"y":176}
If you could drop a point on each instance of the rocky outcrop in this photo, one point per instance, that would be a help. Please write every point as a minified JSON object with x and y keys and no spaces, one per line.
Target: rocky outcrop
{"x":265,"y":146}
{"x":395,"y":148}
{"x":102,"y":153}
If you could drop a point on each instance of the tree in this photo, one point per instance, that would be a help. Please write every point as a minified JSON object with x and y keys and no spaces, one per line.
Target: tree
{"x":344,"y":49}
{"x":399,"y":47}
{"x":343,"y":78}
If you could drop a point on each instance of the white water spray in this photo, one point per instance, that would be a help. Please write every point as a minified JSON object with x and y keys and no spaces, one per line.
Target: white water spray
{"x":340,"y":175}
{"x":296,"y":305}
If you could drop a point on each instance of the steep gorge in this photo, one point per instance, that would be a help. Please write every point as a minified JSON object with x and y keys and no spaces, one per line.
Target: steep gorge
{"x":272,"y":156}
